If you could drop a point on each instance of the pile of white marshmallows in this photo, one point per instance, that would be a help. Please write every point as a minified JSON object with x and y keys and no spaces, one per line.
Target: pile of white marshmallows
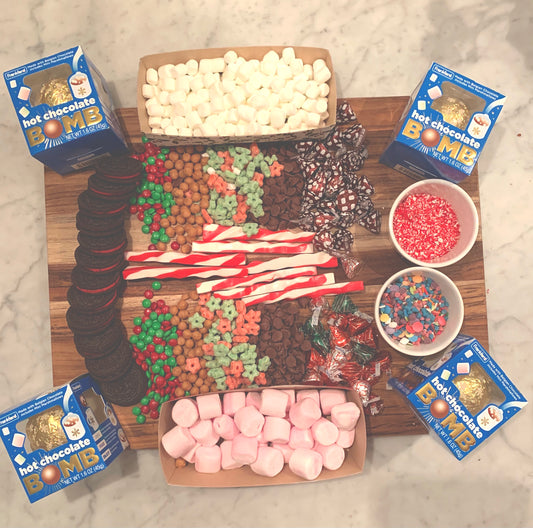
{"x":232,"y":96}
{"x":306,"y":429}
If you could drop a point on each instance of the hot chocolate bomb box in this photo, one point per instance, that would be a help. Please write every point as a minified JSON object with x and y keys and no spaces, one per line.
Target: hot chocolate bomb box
{"x":61,"y":437}
{"x":444,"y":127}
{"x":65,"y":110}
{"x":462,"y":394}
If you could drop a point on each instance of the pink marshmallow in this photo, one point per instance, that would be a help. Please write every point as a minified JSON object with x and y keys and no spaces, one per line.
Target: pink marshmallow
{"x":291,"y":393}
{"x":249,"y":421}
{"x":276,"y":430}
{"x":329,"y":398}
{"x":308,"y":393}
{"x":253,"y":399}
{"x":208,"y":459}
{"x":285,"y":450}
{"x":274,"y":402}
{"x":269,"y":462}
{"x":209,"y":406}
{"x":301,"y":438}
{"x":244,"y":449}
{"x":225,"y":427}
{"x":203,"y":432}
{"x":346,"y":438}
{"x":232,"y":402}
{"x":304,"y":413}
{"x":345,"y":415}
{"x":227,"y":461}
{"x":177,"y":441}
{"x":332,"y":455}
{"x":325,"y":432}
{"x":306,"y":463}
{"x":185,"y":412}
{"x":189,"y":456}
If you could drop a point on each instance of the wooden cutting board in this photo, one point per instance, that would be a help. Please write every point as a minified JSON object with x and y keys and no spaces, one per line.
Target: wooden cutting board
{"x":380,"y":260}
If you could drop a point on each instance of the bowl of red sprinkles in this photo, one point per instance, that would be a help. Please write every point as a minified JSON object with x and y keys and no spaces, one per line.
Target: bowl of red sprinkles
{"x":433,"y":223}
{"x":419,"y":311}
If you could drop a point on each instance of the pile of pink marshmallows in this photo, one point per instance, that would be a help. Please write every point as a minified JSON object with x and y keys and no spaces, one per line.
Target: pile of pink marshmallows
{"x":307,"y":429}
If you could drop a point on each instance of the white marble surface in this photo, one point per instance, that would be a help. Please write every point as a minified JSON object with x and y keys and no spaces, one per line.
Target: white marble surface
{"x":379,"y":47}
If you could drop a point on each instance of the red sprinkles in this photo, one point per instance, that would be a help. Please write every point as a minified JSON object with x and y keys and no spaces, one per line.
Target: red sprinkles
{"x":425,"y":226}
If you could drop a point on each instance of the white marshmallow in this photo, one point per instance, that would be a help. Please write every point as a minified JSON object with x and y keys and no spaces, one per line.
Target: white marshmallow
{"x":165,"y":122}
{"x":228,"y":85}
{"x":151,"y":76}
{"x":183,"y":83}
{"x":204,"y":109}
{"x":163,"y":97}
{"x":286,"y":94}
{"x":271,"y":56}
{"x":205,"y":65}
{"x":277,"y":118}
{"x":323,"y":75}
{"x":179,"y":122}
{"x":178,"y":96}
{"x":232,"y":117}
{"x":179,"y":70}
{"x":308,"y":71}
{"x":312,"y":120}
{"x":244,"y":72}
{"x":268,"y":68}
{"x":238,"y":96}
{"x":258,"y":101}
{"x":192,"y":66}
{"x":230,"y":56}
{"x":263,"y":118}
{"x":312,"y":90}
{"x":294,"y":122}
{"x":284,"y":71}
{"x":277,"y":84}
{"x":246,"y":112}
{"x":297,"y":67}
{"x":323,"y":89}
{"x":157,"y":131}
{"x":288,"y":55}
{"x":153,"y":108}
{"x":165,"y":71}
{"x":298,"y":99}
{"x":154,"y":121}
{"x":210,"y":78}
{"x":197,"y":82}
{"x":186,"y":132}
{"x":168,"y":84}
{"x":181,"y":109}
{"x":290,"y":109}
{"x":321,"y":105}
{"x":148,"y":91}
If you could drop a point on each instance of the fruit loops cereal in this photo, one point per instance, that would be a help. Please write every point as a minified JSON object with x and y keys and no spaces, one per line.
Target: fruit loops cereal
{"x":426,"y":226}
{"x":413,"y":310}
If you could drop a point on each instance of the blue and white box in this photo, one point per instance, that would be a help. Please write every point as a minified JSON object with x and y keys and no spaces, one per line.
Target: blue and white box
{"x":61,"y":437}
{"x":444,"y":127}
{"x":463,"y":396}
{"x":81,"y":127}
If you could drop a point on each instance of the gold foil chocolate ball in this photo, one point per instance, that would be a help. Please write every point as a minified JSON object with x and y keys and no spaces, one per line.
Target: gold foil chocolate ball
{"x":44,"y":430}
{"x":453,"y":111}
{"x":475,"y":388}
{"x":55,"y":92}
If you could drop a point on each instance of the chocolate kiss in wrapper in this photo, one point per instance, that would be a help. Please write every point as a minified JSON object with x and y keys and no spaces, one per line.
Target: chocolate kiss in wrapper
{"x":476,"y":389}
{"x":44,"y":430}
{"x":453,"y":111}
{"x":55,"y":92}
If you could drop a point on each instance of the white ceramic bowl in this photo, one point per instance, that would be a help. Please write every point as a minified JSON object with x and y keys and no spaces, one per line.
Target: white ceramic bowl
{"x":464,"y":208}
{"x":455,"y":313}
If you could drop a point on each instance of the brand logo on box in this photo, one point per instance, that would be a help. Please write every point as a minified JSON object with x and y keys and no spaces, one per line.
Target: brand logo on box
{"x":9,"y":418}
{"x":15,"y":73}
{"x":443,"y":71}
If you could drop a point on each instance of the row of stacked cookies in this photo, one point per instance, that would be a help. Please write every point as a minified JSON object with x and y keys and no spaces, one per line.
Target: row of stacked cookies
{"x":97,"y":283}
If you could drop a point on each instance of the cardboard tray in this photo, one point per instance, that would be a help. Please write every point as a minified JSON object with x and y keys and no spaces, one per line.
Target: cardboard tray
{"x":244,"y":476}
{"x":307,"y":54}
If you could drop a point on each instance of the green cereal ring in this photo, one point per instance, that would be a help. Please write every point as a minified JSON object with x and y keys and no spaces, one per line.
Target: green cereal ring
{"x":253,"y":200}
{"x":250,"y":228}
{"x":213,"y":304}
{"x":213,"y":363}
{"x":229,"y":311}
{"x":216,"y":373}
{"x":221,"y":384}
{"x":257,"y":211}
{"x":240,"y":348}
{"x":250,"y":372}
{"x":227,"y":223}
{"x":227,"y":336}
{"x":259,"y":158}
{"x":241,"y":180}
{"x":265,"y":169}
{"x":224,"y":361}
{"x":251,"y":347}
{"x":248,"y":357}
{"x":196,"y":320}
{"x":220,"y":349}
{"x":230,"y":202}
{"x":233,"y":356}
{"x":232,"y":150}
{"x":243,"y":150}
{"x":263,"y":364}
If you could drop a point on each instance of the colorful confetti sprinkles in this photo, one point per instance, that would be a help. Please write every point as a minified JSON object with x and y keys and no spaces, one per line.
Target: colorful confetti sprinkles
{"x":413,"y":310}
{"x":425,"y":226}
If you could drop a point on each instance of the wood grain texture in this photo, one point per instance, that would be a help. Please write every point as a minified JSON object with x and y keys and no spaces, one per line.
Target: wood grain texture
{"x":380,"y":260}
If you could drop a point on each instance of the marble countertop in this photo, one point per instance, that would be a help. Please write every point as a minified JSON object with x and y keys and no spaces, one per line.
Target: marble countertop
{"x":379,"y":48}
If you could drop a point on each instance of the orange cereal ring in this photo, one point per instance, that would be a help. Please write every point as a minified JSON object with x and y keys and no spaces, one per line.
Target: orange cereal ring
{"x":275,"y":169}
{"x":205,"y":312}
{"x":207,"y":218}
{"x":240,"y":338}
{"x":254,"y":150}
{"x":258,"y":177}
{"x":224,"y":325}
{"x":253,"y":316}
{"x":260,"y":379}
{"x":203,"y":298}
{"x":252,"y":328}
{"x":208,"y":349}
{"x":240,"y":307}
{"x":192,"y":365}
{"x":236,"y":368}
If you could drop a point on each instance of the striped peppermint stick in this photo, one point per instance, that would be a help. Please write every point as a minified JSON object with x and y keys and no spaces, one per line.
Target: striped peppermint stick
{"x":173,"y":272}
{"x":276,"y":286}
{"x":251,"y":247}
{"x":248,"y":280}
{"x":192,"y":259}
{"x":327,"y":289}
{"x":216,"y":233}
{"x":320,"y":259}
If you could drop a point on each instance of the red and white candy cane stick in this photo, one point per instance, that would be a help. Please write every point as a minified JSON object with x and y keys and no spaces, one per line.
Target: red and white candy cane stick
{"x":320,"y":259}
{"x":248,"y":280}
{"x":251,"y":247}
{"x":216,"y":233}
{"x":327,"y":289}
{"x":172,"y":272}
{"x":276,"y":286}
{"x":192,"y":259}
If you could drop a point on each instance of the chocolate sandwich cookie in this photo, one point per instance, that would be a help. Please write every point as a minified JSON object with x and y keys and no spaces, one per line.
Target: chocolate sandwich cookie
{"x":82,"y":323}
{"x":99,"y":262}
{"x":92,"y":302}
{"x":101,"y":343}
{"x":89,"y":282}
{"x":109,"y":245}
{"x":128,"y":389}
{"x":114,"y":364}
{"x":120,"y":168}
{"x":110,"y":189}
{"x":103,"y":225}
{"x":91,"y":203}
